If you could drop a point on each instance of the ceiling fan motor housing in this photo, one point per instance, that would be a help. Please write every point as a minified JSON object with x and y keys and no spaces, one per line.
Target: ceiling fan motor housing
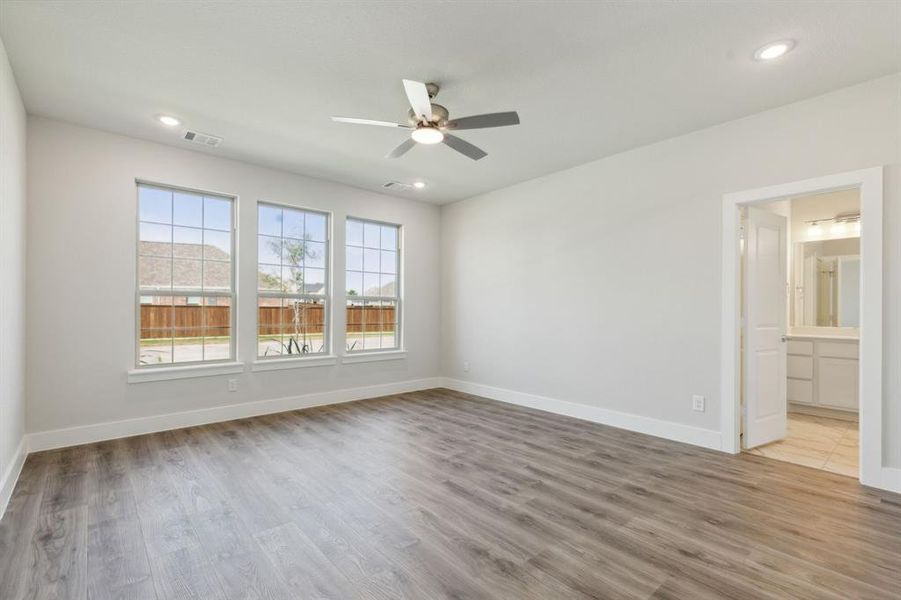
{"x":440,"y":115}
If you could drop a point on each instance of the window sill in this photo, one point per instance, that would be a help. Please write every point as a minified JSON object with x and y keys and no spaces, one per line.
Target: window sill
{"x":185,"y":372}
{"x":277,"y":364}
{"x":373,"y":356}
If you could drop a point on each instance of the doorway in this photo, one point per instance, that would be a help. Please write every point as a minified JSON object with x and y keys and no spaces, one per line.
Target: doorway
{"x":800,"y":269}
{"x":771,"y":420}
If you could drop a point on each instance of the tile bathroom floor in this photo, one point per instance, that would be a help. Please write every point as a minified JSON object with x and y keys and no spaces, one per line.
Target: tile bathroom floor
{"x":818,"y":442}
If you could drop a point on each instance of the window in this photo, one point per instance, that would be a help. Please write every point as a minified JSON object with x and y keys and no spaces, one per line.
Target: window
{"x":186,"y":291}
{"x":373,"y":286}
{"x":292,"y":289}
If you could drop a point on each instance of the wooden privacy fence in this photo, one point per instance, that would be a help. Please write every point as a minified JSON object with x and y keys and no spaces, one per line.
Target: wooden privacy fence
{"x":158,"y":321}
{"x":280,"y":319}
{"x":370,"y":318}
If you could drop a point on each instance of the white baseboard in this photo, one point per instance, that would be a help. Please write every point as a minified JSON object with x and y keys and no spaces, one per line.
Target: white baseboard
{"x":47,"y":440}
{"x":706,"y":438}
{"x":11,"y":476}
{"x":86,"y":434}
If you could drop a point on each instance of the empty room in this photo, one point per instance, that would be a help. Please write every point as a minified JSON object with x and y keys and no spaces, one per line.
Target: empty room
{"x":526,"y":300}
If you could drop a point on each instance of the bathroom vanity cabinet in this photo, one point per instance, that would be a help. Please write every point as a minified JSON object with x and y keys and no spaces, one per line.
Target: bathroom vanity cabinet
{"x":823,"y":372}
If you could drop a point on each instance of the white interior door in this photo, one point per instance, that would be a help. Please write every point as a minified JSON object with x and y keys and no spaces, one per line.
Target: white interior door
{"x":764,"y":352}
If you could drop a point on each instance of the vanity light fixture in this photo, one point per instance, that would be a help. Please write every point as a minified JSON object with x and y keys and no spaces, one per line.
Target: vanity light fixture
{"x":838,"y":228}
{"x":849,"y":217}
{"x":842,"y":224}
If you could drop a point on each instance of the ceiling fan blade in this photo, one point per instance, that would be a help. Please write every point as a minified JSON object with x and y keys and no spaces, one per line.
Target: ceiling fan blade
{"x":501,"y":119}
{"x":369,"y":122}
{"x":464,"y":147}
{"x":402,"y":148}
{"x":419,"y":99}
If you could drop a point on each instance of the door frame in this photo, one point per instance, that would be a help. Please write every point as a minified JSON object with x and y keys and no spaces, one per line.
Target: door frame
{"x":869,"y":182}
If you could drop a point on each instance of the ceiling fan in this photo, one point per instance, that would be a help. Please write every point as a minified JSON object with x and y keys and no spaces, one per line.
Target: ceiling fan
{"x":429,"y":122}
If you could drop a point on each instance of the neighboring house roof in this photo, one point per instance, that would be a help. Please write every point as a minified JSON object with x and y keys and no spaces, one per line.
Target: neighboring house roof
{"x":388,"y":290}
{"x":184,"y":269}
{"x":183,"y":250}
{"x":313,"y":288}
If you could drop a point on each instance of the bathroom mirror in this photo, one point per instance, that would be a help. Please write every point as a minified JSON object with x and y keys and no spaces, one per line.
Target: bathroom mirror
{"x":826,"y":283}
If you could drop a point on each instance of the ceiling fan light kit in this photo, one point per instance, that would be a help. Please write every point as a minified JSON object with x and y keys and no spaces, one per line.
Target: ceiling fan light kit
{"x":425,"y":134}
{"x":429,"y":122}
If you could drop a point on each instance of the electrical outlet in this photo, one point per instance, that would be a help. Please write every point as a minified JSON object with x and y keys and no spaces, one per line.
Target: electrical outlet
{"x":466,"y":366}
{"x":233,"y":385}
{"x":698,"y":403}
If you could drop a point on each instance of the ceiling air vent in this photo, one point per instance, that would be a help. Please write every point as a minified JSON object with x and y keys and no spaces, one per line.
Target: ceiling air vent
{"x":204,"y":139}
{"x":398,"y":185}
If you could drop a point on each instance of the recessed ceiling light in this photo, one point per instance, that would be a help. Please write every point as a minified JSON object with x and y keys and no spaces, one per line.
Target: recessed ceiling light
{"x":427,"y":135}
{"x":774,"y":50}
{"x":419,"y":184}
{"x":168,"y":121}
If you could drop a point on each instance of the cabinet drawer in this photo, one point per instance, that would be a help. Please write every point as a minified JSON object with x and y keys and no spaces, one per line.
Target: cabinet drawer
{"x":838,"y":349}
{"x":800,"y":347}
{"x":837,"y":382}
{"x":800,"y":391}
{"x":800,"y":367}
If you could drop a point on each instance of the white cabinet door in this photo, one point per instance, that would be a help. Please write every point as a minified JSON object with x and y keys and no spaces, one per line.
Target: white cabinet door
{"x":837,"y":382}
{"x":800,"y":367}
{"x":800,"y":391}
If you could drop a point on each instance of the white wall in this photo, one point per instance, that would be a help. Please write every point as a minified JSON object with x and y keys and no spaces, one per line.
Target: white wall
{"x":601,"y":284}
{"x":81,"y":261}
{"x":12,"y":272}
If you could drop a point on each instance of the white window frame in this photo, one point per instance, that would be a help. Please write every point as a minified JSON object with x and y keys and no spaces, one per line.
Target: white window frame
{"x":186,"y":366}
{"x":326,"y":297}
{"x":398,"y":349}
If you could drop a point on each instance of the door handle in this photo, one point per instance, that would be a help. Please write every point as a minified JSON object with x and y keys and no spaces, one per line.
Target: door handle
{"x":783,"y":338}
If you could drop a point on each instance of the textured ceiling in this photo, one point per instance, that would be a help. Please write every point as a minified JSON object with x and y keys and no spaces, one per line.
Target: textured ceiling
{"x":589,"y":79}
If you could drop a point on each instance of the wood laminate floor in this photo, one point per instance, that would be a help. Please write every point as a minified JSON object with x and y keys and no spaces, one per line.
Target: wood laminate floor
{"x":437,"y":494}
